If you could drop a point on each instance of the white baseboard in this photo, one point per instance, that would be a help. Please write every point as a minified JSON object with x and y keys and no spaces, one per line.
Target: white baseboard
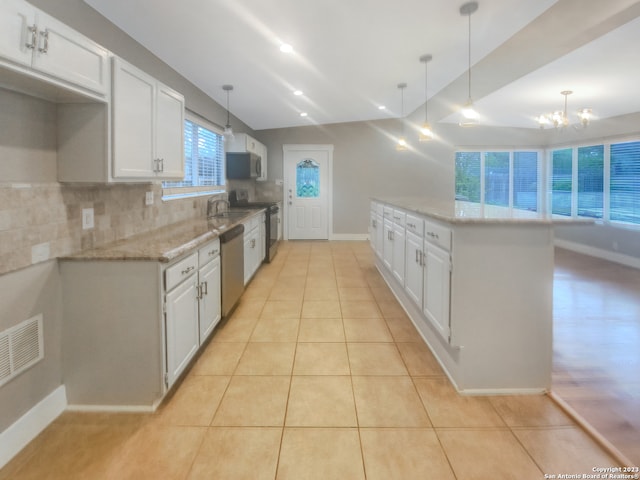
{"x":29,"y":426}
{"x":599,"y":253}
{"x":349,"y":236}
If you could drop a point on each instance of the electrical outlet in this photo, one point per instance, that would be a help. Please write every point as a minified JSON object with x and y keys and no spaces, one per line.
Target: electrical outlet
{"x":87,"y":218}
{"x":148,"y":198}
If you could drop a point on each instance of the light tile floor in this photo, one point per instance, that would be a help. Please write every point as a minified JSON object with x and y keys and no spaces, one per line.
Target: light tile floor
{"x":317,"y":375}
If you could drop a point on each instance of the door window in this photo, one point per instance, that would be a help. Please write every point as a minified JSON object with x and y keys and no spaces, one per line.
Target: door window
{"x":308,"y":179}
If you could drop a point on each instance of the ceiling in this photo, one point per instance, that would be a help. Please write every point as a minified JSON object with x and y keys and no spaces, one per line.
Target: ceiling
{"x":349,"y":56}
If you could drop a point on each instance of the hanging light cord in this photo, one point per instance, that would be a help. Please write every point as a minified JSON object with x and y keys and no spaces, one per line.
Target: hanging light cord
{"x":469,"y":53}
{"x":228,"y":124}
{"x":426,"y":90}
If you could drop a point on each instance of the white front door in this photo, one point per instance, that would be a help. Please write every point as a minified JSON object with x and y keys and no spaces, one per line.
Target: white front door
{"x":307,"y":183}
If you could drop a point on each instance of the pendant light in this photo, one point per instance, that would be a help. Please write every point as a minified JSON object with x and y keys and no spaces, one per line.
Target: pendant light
{"x":469,"y":115}
{"x":401,"y":146}
{"x":228,"y":131}
{"x":426,"y":133}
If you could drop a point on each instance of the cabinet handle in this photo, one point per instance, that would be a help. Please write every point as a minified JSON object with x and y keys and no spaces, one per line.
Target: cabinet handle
{"x":212,"y":252}
{"x":421,"y":259}
{"x":161,"y":164}
{"x":33,"y":30}
{"x":187,"y":270}
{"x":417,"y":259}
{"x":206,"y":288}
{"x":198,"y":292}
{"x":45,"y":48}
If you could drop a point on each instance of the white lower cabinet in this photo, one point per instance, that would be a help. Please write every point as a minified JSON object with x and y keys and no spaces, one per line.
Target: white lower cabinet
{"x":421,"y":266}
{"x":131,"y":327}
{"x":209,"y":289}
{"x":254,"y":245}
{"x":398,"y":239}
{"x":182,"y":330}
{"x":437,"y":288}
{"x":414,"y":273}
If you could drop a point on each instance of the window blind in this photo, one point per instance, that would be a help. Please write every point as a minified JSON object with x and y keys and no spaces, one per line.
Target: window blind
{"x":496,"y":178}
{"x":561,"y":181}
{"x":591,"y":181}
{"x":525,"y":180}
{"x":625,"y":182}
{"x":204,"y":158}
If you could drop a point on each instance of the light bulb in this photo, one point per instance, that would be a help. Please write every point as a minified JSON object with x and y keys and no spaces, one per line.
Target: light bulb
{"x":426,"y":133}
{"x":402,"y":144}
{"x":469,"y":115}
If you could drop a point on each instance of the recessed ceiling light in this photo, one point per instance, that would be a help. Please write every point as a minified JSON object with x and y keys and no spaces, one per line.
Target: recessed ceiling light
{"x":303,"y":114}
{"x":382,"y":107}
{"x":297,"y":93}
{"x":286,"y":48}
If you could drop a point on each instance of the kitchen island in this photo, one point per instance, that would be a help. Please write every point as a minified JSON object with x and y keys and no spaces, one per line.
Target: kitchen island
{"x":477,"y":282}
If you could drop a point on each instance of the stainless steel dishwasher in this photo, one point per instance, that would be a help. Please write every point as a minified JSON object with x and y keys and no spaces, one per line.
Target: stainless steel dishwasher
{"x":232,"y":270}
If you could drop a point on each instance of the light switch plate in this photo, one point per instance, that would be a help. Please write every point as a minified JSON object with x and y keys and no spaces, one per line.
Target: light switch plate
{"x":148,"y":198}
{"x":87,"y":218}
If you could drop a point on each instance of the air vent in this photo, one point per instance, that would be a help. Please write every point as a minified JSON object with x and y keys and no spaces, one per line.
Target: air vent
{"x":21,"y":347}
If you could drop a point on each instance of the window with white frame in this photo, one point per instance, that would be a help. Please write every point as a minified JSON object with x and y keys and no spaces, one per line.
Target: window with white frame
{"x":204,"y":160}
{"x":501,"y":178}
{"x":597,"y":181}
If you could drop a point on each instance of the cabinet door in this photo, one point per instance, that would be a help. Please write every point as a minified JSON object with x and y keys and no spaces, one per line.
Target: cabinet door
{"x":16,"y":40}
{"x":262,"y":240}
{"x":65,"y":54}
{"x":210,"y":307}
{"x":170,"y":133}
{"x":182,"y":331}
{"x":398,"y":253}
{"x":413,"y":268}
{"x":437,"y":287}
{"x":133,"y":121}
{"x":248,"y":256}
{"x":387,"y":244}
{"x":373,"y":231}
{"x":380,"y":234}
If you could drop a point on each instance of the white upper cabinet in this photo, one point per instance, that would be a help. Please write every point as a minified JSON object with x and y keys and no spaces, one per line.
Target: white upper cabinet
{"x":148,"y":126}
{"x":30,"y":38}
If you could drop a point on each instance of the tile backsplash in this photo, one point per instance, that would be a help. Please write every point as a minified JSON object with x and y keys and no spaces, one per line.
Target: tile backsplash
{"x":40,"y":221}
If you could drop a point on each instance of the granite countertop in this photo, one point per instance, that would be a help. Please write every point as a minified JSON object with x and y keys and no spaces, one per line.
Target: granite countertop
{"x":460,"y":212}
{"x":163,"y":244}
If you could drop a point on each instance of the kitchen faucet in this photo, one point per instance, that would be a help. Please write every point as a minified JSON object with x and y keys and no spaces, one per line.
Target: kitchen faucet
{"x":213,"y":204}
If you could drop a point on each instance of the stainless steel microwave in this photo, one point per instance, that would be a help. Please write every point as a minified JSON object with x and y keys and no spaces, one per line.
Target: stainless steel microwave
{"x":243,"y":165}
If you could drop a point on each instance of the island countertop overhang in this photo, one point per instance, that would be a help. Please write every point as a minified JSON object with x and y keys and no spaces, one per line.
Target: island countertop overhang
{"x":461,"y":212}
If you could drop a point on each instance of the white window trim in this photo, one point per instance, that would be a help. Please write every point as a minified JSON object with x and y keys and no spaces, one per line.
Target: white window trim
{"x":176,"y":193}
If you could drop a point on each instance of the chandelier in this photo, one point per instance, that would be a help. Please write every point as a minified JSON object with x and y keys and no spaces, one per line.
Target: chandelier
{"x":560,"y":118}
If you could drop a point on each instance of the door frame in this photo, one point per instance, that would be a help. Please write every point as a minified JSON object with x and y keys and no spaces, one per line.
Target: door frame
{"x":311,"y":148}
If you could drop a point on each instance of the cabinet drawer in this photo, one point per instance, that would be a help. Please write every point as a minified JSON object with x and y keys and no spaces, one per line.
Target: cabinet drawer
{"x":181,"y":270}
{"x":399,"y":217}
{"x":376,"y":207}
{"x":387,"y":212}
{"x":210,"y":251}
{"x":414,"y":225}
{"x":437,"y":234}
